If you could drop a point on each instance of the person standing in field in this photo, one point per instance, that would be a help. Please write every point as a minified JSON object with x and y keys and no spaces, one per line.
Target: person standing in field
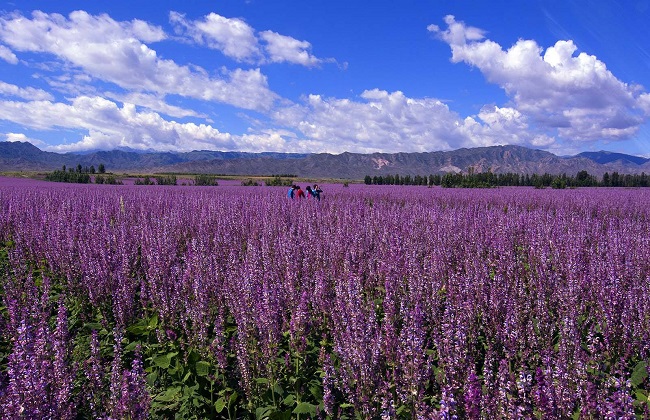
{"x":291,"y":192}
{"x":299,"y":192}
{"x":316,"y":192}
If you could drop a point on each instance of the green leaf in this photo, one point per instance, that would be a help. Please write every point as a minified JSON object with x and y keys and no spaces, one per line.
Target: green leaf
{"x":346,"y":405}
{"x":233,"y":398}
{"x":193,"y":357}
{"x":187,"y":375}
{"x":290,"y":400}
{"x":153,"y":321}
{"x":263,"y":412}
{"x":165,"y":360}
{"x":280,"y":415}
{"x":93,"y":326}
{"x":177,"y":369}
{"x":131,"y":346}
{"x":170,"y":395}
{"x":316,"y":391}
{"x":278,"y":389}
{"x":202,"y":368}
{"x":639,"y":374}
{"x":219,"y":405}
{"x":224,"y":391}
{"x":305,"y":408}
{"x":262,"y":381}
{"x":138,"y":329}
{"x":152,"y":377}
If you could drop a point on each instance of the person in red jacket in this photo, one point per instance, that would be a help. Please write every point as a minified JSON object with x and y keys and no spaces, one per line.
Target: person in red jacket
{"x":300,"y":193}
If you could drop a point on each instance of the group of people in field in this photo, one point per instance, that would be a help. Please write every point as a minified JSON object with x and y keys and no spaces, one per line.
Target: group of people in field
{"x":296,"y":192}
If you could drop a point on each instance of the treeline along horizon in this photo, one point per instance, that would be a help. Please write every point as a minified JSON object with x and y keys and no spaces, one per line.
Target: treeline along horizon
{"x":490,"y":180}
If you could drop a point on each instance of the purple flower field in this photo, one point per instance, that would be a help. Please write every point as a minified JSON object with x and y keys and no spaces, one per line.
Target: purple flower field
{"x":376,"y":302}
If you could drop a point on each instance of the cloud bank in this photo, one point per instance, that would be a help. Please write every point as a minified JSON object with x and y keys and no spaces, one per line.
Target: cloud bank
{"x":393,"y":122}
{"x":110,"y":126}
{"x":574,"y":95}
{"x":116,"y":52}
{"x":239,"y":41}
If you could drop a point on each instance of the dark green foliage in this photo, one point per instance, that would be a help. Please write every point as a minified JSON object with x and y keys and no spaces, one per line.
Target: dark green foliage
{"x":249,"y":183}
{"x":284,"y":176}
{"x":559,"y":183}
{"x":606,"y":180}
{"x":166,"y":180}
{"x":186,"y":382}
{"x":205,"y":181}
{"x":489,"y":180}
{"x":109,"y":180}
{"x":63,"y":176}
{"x":160,"y":180}
{"x":278,"y":181}
{"x":617,"y":180}
{"x":80,"y":175}
{"x":144,"y":181}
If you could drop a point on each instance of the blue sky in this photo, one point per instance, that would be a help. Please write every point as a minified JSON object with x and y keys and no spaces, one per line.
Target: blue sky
{"x":326,"y":76}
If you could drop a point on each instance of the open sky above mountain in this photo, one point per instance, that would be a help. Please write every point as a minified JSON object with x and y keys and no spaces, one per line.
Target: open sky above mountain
{"x":250,"y":75}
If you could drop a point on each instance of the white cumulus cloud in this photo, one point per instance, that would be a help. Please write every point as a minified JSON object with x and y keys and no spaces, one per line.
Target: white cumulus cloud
{"x":233,"y":37}
{"x":116,"y":52}
{"x":7,"y":55}
{"x":574,"y":94}
{"x":282,"y":48}
{"x":238,"y":40}
{"x":110,"y":126}
{"x":393,"y":122}
{"x":28,"y":93}
{"x":154,"y":103}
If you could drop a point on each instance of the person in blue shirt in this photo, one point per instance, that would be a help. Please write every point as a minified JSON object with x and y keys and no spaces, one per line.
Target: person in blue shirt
{"x":291,"y":191}
{"x":316,"y":192}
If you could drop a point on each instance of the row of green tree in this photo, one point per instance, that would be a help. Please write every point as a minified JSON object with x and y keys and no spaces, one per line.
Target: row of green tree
{"x":274,"y":181}
{"x":402,"y":180}
{"x":201,"y":180}
{"x":159,"y":180}
{"x":489,"y":180}
{"x":101,"y":169}
{"x":79,"y":175}
{"x":82,"y":175}
{"x":71,"y":176}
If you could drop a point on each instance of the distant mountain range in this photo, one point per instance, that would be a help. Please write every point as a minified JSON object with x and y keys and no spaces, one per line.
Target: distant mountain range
{"x":23,"y":156}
